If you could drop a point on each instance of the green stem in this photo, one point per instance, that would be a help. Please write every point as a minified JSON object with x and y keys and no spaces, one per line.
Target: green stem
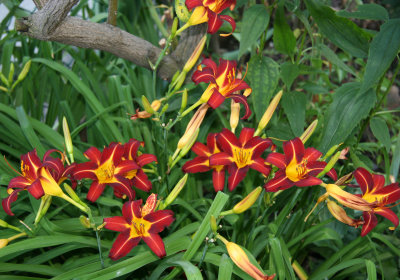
{"x":99,"y":248}
{"x":73,"y":202}
{"x":299,"y":271}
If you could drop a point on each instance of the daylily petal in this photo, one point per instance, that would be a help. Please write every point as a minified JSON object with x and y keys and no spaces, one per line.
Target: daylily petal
{"x":18,"y":182}
{"x":123,"y":245}
{"x":113,"y":152}
{"x":95,"y":190}
{"x":141,"y":181}
{"x":123,"y":186}
{"x":243,"y":100}
{"x":6,"y":202}
{"x":131,"y":210}
{"x":36,"y":189}
{"x":246,"y":134}
{"x":85,"y":170}
{"x":388,"y":194}
{"x":236,"y":175}
{"x":216,"y":99}
{"x":198,"y":164}
{"x":219,"y":180}
{"x":379,"y":181}
{"x":55,"y":166}
{"x":388,"y":214}
{"x":293,"y":149}
{"x":347,"y":199}
{"x":159,"y":219}
{"x":258,"y":146}
{"x":226,"y":139}
{"x":190,"y":4}
{"x":116,"y":224}
{"x":370,"y":221}
{"x":279,"y":182}
{"x":311,"y":154}
{"x":332,"y":173}
{"x":212,"y":143}
{"x":207,"y":62}
{"x":309,"y":181}
{"x":30,"y":164}
{"x":156,"y":244}
{"x":221,"y":159}
{"x":259,"y":165}
{"x":364,"y":179}
{"x":230,"y":21}
{"x":206,"y":75}
{"x":277,"y":159}
{"x":125,"y":166}
{"x":201,"y":150}
{"x":146,"y":159}
{"x":131,"y":148}
{"x":93,"y":154}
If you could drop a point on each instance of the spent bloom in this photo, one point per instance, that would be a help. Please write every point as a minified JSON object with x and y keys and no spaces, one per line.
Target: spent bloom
{"x":297,"y":166}
{"x":209,"y":11}
{"x":223,"y":84}
{"x":139,"y":222}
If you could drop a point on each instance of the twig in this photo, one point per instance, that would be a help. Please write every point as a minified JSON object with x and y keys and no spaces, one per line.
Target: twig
{"x":112,"y":12}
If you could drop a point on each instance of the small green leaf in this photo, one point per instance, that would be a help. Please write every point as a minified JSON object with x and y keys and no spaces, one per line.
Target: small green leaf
{"x":289,"y":73}
{"x":394,"y":167}
{"x":255,"y":21}
{"x":371,"y":270}
{"x":381,"y":131}
{"x":341,"y":31}
{"x":263,"y":75}
{"x":294,"y":104}
{"x":277,"y":258}
{"x":348,"y":108}
{"x":366,"y":11}
{"x":192,"y":272}
{"x":334,"y":59}
{"x":383,"y":50}
{"x":283,"y":37}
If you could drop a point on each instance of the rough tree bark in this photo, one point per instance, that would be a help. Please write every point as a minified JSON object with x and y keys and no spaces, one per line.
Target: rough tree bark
{"x":51,"y":23}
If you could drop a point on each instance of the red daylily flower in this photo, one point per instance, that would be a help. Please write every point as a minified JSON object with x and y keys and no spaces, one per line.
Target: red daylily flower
{"x":137,"y":223}
{"x":297,"y":166}
{"x":137,"y":176}
{"x":238,"y":155}
{"x":374,"y":191}
{"x":201,"y":163}
{"x":107,"y":168}
{"x":37,"y":178}
{"x":209,"y":11}
{"x":223,"y":84}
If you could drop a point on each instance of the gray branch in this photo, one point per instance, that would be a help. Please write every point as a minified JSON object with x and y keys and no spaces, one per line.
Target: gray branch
{"x":51,"y":23}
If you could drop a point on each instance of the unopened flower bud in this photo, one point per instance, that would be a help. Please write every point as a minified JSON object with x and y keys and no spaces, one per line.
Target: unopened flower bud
{"x":146,"y":105}
{"x":175,"y":192}
{"x":3,"y":224}
{"x":193,"y":125}
{"x":24,"y":71}
{"x":184,"y":100}
{"x":309,"y":131}
{"x":195,"y":55}
{"x":71,"y":193}
{"x":268,"y":113}
{"x":68,"y":141}
{"x":235,"y":112}
{"x":85,"y":221}
{"x":248,"y":201}
{"x":174,"y":26}
{"x":329,"y":165}
{"x":3,"y":243}
{"x":11,"y":73}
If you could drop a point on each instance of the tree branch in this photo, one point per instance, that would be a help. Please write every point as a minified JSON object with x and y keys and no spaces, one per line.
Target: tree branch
{"x":51,"y":24}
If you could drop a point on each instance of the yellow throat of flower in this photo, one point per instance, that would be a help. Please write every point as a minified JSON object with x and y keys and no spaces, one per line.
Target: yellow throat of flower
{"x":105,"y":172}
{"x":139,"y":227}
{"x":242,"y":157}
{"x":296,"y":171}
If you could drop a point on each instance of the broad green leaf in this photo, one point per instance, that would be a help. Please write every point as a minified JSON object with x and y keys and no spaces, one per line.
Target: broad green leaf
{"x":348,"y":108}
{"x":343,"y":265}
{"x":31,"y":268}
{"x":283,"y":37}
{"x":334,"y":59}
{"x":383,"y":50}
{"x":395,"y":165}
{"x":28,"y":131}
{"x":255,"y":21}
{"x":289,"y":73}
{"x":381,"y":131}
{"x":263,"y":76}
{"x":192,"y":272}
{"x":225,"y":268}
{"x":341,"y":31}
{"x":366,"y":11}
{"x":294,"y":104}
{"x":7,"y":51}
{"x":371,"y":270}
{"x":277,"y":258}
{"x":323,"y":234}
